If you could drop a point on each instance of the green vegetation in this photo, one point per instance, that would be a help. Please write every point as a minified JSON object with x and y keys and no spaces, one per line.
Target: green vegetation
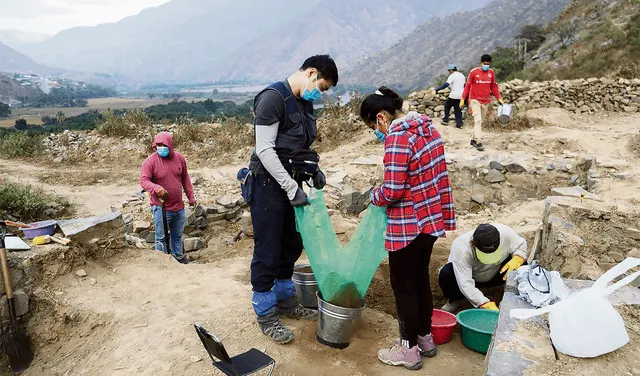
{"x":20,"y":145}
{"x":31,"y":204}
{"x":207,"y":110}
{"x":113,"y":125}
{"x":5,"y":110}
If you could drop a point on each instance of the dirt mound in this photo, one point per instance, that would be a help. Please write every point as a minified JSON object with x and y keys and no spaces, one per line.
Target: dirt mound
{"x":518,"y":122}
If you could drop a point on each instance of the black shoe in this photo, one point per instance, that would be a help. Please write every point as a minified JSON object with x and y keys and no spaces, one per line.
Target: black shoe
{"x":444,"y":122}
{"x":459,"y":126}
{"x":477,"y":145}
{"x":182,"y":260}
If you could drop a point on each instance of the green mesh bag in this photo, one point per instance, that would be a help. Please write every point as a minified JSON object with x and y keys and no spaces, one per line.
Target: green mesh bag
{"x":343,"y":273}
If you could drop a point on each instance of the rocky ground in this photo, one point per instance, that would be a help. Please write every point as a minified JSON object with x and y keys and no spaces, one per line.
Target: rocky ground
{"x":132,"y":313}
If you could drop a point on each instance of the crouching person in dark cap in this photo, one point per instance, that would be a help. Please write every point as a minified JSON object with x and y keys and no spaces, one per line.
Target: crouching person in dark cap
{"x":480,"y":258}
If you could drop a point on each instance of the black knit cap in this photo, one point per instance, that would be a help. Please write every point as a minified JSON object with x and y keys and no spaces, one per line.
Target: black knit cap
{"x":486,"y":238}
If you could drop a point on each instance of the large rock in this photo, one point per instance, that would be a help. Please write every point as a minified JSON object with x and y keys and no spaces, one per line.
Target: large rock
{"x":192,"y":244}
{"x":370,"y":160}
{"x":101,"y":230}
{"x":21,"y":301}
{"x":494,"y":176}
{"x":227,"y":201}
{"x":354,"y":202}
{"x":139,"y":226}
{"x":576,"y":192}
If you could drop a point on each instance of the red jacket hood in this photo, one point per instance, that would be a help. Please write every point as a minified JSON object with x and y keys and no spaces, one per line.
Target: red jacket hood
{"x":164,"y":138}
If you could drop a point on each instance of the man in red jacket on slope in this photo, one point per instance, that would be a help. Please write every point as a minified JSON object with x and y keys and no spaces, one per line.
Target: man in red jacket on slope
{"x":481,"y":84}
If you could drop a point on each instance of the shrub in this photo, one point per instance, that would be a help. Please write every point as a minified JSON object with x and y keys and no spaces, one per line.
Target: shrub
{"x":20,"y":145}
{"x":30,"y":203}
{"x":113,"y":125}
{"x":138,"y":117}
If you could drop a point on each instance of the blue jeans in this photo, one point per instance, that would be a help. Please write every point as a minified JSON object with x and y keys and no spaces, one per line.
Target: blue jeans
{"x":175,"y":221}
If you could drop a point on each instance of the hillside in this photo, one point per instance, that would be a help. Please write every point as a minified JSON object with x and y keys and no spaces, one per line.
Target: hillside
{"x":426,"y":52}
{"x":601,"y":38}
{"x":349,"y":30}
{"x":18,"y":38}
{"x":13,"y":61}
{"x":201,"y":40}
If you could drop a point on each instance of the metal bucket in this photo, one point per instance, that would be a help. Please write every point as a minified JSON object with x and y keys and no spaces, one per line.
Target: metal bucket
{"x":306,"y":286}
{"x":336,"y":324}
{"x":504,"y":113}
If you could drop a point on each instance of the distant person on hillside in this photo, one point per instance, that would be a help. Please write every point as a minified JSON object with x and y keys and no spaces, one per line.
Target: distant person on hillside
{"x":417,"y":194}
{"x":480,"y":258}
{"x":455,"y":82}
{"x":285,"y":128}
{"x":164,"y":175}
{"x":481,"y":84}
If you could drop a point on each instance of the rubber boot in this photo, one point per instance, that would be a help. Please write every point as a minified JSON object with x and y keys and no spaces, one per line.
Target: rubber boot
{"x":264,"y":305}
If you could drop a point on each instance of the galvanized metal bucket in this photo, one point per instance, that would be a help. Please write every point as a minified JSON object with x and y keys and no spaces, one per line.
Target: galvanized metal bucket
{"x":306,"y":286}
{"x":504,"y":113}
{"x":336,"y":324}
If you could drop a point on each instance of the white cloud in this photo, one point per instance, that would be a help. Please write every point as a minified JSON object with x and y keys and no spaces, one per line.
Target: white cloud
{"x":52,"y":16}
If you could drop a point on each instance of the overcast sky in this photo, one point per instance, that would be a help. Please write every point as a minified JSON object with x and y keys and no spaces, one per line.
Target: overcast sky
{"x":52,"y":16}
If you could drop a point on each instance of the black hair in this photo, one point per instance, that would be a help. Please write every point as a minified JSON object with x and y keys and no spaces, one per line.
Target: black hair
{"x":486,"y":238}
{"x":389,"y":101}
{"x":485,"y":57}
{"x":325,"y":65}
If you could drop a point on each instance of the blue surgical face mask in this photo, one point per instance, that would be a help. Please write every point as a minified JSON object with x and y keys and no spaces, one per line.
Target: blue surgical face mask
{"x":163,"y":151}
{"x":312,"y":95}
{"x":485,"y":67}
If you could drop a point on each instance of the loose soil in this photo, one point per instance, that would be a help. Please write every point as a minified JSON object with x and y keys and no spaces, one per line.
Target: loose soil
{"x":136,"y":319}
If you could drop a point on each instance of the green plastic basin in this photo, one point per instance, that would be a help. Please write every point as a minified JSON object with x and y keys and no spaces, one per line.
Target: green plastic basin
{"x":477,"y":327}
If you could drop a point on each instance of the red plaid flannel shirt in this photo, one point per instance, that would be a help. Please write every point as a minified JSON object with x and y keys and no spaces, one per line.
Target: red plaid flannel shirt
{"x":416,"y":188}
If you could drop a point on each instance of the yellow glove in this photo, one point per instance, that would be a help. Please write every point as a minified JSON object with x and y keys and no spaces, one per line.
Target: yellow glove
{"x":512,"y":265}
{"x":490,"y":306}
{"x":461,"y":103}
{"x":501,"y":101}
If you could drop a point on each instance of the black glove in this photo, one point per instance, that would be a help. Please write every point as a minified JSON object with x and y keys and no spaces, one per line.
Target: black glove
{"x":319,"y":180}
{"x":300,"y":199}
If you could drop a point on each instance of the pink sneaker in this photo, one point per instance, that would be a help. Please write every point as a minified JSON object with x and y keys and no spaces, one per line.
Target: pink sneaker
{"x":425,"y":345}
{"x":401,"y":356}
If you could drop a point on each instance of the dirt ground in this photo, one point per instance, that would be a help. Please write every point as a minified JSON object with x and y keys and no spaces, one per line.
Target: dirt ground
{"x":136,"y":319}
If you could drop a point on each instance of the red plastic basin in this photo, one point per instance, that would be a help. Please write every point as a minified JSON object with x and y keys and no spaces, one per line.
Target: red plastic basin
{"x":442,"y":326}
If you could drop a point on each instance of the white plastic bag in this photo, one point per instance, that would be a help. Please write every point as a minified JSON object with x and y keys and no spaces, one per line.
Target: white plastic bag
{"x":585,"y":325}
{"x":539,"y":286}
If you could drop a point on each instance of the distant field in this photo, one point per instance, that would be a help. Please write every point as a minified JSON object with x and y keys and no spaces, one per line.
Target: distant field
{"x":33,"y":115}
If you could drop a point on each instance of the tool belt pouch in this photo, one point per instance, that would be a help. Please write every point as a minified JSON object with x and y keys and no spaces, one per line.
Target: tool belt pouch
{"x":246,"y":177}
{"x":301,"y":164}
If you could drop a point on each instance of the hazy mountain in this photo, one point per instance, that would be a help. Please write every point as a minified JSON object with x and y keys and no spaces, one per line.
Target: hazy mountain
{"x":13,"y":61}
{"x":18,"y":38}
{"x":348,"y":30}
{"x":201,"y":40}
{"x":181,"y":39}
{"x":461,"y":38}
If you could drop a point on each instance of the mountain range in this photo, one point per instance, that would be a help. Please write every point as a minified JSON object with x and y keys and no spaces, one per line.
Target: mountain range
{"x":461,"y":38}
{"x":247,"y":40}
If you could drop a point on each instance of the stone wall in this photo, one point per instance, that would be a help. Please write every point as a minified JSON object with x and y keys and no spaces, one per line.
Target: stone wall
{"x":578,"y":96}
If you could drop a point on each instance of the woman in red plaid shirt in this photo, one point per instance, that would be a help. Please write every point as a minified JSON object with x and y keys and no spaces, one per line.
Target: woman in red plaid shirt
{"x":417,"y":194}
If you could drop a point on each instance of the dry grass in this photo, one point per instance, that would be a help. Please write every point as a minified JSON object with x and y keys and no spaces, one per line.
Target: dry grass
{"x":214,"y":143}
{"x":339,"y":124}
{"x":518,"y":122}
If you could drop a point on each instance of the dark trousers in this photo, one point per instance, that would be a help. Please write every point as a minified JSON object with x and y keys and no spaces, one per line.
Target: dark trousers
{"x":409,"y":269}
{"x":277,"y":243}
{"x":449,"y":283}
{"x":457,"y":111}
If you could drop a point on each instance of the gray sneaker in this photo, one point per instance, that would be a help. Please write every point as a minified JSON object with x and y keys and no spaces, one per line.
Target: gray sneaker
{"x":299,"y":312}
{"x":271,"y":327}
{"x":291,"y":308}
{"x":452,"y":307}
